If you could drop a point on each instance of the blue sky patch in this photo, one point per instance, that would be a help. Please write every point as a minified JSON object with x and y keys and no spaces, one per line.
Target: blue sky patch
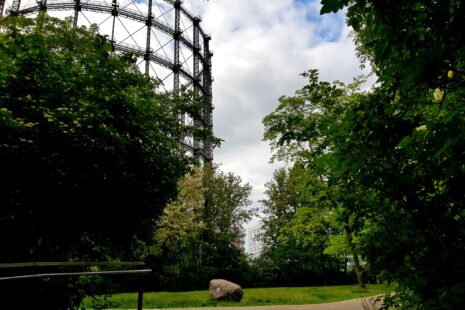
{"x":303,"y":1}
{"x":332,"y":33}
{"x":328,"y":26}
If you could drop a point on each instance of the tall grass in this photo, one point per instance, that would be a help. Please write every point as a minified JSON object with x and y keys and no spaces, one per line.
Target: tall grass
{"x":252,"y":297}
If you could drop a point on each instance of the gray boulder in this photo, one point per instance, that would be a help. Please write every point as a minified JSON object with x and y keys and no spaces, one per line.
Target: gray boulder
{"x":220,"y":289}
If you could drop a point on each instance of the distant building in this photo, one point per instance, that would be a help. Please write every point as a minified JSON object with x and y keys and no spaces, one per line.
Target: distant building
{"x":254,"y":243}
{"x":239,"y":243}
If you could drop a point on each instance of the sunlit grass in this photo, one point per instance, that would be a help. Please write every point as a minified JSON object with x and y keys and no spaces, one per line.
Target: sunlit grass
{"x":252,"y":297}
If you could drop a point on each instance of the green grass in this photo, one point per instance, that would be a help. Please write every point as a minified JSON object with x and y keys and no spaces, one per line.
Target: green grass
{"x":252,"y":297}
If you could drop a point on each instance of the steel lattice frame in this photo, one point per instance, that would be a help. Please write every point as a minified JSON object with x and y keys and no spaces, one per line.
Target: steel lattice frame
{"x":174,"y":47}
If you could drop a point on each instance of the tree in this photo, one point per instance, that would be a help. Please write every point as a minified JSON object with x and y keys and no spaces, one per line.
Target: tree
{"x":305,"y":128}
{"x":297,"y":229}
{"x":406,"y":146}
{"x":227,"y":201}
{"x":393,"y":157}
{"x":182,"y":218}
{"x":196,"y":233}
{"x":88,"y":155}
{"x":279,"y":207}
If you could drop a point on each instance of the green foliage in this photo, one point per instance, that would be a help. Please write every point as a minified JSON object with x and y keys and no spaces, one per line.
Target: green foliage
{"x":415,"y":187}
{"x":280,"y":205}
{"x":88,"y":157}
{"x":332,"y":6}
{"x":412,"y":43}
{"x":297,"y":229}
{"x":227,"y":201}
{"x":387,"y":163}
{"x":196,"y":233}
{"x":182,"y":219}
{"x":297,"y":128}
{"x":305,"y":128}
{"x":392,"y":158}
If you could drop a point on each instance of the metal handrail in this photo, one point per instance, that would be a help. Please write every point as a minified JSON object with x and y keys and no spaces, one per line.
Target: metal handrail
{"x":75,"y":274}
{"x":64,"y":264}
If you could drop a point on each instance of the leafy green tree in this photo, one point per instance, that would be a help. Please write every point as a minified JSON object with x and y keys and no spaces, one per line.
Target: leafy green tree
{"x":413,"y":43}
{"x":393,"y":158}
{"x":182,"y":218}
{"x":304,"y":128}
{"x":297,"y":229}
{"x":88,"y":157}
{"x":196,"y":233}
{"x":406,"y":146}
{"x":279,"y":207}
{"x":227,"y":201}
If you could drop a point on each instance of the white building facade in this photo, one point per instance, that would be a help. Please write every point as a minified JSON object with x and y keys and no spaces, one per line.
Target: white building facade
{"x":254,"y":243}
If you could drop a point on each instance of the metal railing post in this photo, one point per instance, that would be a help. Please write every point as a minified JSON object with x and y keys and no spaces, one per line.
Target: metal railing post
{"x":140,"y":299}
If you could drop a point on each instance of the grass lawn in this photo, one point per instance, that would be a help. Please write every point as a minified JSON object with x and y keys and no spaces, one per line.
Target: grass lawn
{"x":252,"y":297}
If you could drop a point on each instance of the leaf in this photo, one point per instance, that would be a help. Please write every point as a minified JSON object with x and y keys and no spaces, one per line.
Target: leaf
{"x":333,"y":6}
{"x":404,"y":142}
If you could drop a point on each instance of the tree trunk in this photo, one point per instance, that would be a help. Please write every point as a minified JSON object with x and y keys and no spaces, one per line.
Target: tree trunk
{"x":358,"y":271}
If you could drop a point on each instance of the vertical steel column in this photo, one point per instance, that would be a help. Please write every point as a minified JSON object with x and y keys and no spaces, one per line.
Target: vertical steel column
{"x":196,"y":52}
{"x":207,"y":107}
{"x":14,"y":10}
{"x":177,"y":62}
{"x":77,"y":9}
{"x":2,"y":6}
{"x":42,"y":6}
{"x":114,"y":13}
{"x":148,"y":23}
{"x":176,"y":37}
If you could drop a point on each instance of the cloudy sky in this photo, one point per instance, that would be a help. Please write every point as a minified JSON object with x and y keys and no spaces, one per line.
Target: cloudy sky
{"x":260,"y":48}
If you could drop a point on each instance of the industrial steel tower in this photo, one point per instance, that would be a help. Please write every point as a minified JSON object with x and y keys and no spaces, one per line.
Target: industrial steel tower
{"x":168,"y":39}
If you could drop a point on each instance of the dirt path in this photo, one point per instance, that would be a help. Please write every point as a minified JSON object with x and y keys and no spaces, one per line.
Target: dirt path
{"x":353,"y":304}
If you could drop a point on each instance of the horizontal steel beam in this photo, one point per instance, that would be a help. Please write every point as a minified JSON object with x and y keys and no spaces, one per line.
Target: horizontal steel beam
{"x":100,"y":7}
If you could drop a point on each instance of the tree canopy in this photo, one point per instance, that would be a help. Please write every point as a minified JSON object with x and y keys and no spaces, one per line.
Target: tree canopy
{"x":297,"y":226}
{"x":393,"y":157}
{"x":88,"y":149}
{"x":196,"y":235}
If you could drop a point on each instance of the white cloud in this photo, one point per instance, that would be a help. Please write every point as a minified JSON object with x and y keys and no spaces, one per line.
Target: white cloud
{"x":251,"y":163}
{"x":261,"y":47}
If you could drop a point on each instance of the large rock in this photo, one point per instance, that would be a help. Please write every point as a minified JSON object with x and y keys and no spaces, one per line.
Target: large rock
{"x":220,"y":289}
